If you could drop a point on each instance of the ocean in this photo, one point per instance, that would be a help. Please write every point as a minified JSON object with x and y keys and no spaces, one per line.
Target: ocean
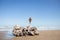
{"x":10,"y":28}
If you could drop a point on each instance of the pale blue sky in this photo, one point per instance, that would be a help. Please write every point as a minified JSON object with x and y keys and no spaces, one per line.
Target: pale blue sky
{"x":43,"y":12}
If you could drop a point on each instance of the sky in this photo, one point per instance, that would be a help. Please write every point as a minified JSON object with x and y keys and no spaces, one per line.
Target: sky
{"x":43,"y":12}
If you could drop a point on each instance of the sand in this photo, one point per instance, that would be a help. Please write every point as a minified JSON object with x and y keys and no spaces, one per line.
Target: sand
{"x":44,"y":35}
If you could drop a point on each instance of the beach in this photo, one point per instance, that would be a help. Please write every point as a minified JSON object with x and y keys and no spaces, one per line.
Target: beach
{"x":43,"y":35}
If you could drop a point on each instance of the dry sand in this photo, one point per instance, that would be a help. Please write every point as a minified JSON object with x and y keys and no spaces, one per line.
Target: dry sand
{"x":44,"y":35}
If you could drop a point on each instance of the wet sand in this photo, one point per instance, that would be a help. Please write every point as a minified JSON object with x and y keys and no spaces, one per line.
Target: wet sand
{"x":44,"y":35}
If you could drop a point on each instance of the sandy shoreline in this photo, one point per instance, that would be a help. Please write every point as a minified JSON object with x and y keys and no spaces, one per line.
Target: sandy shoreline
{"x":44,"y":35}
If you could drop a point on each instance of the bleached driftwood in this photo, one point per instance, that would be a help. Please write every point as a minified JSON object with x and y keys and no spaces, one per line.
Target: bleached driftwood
{"x":19,"y":31}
